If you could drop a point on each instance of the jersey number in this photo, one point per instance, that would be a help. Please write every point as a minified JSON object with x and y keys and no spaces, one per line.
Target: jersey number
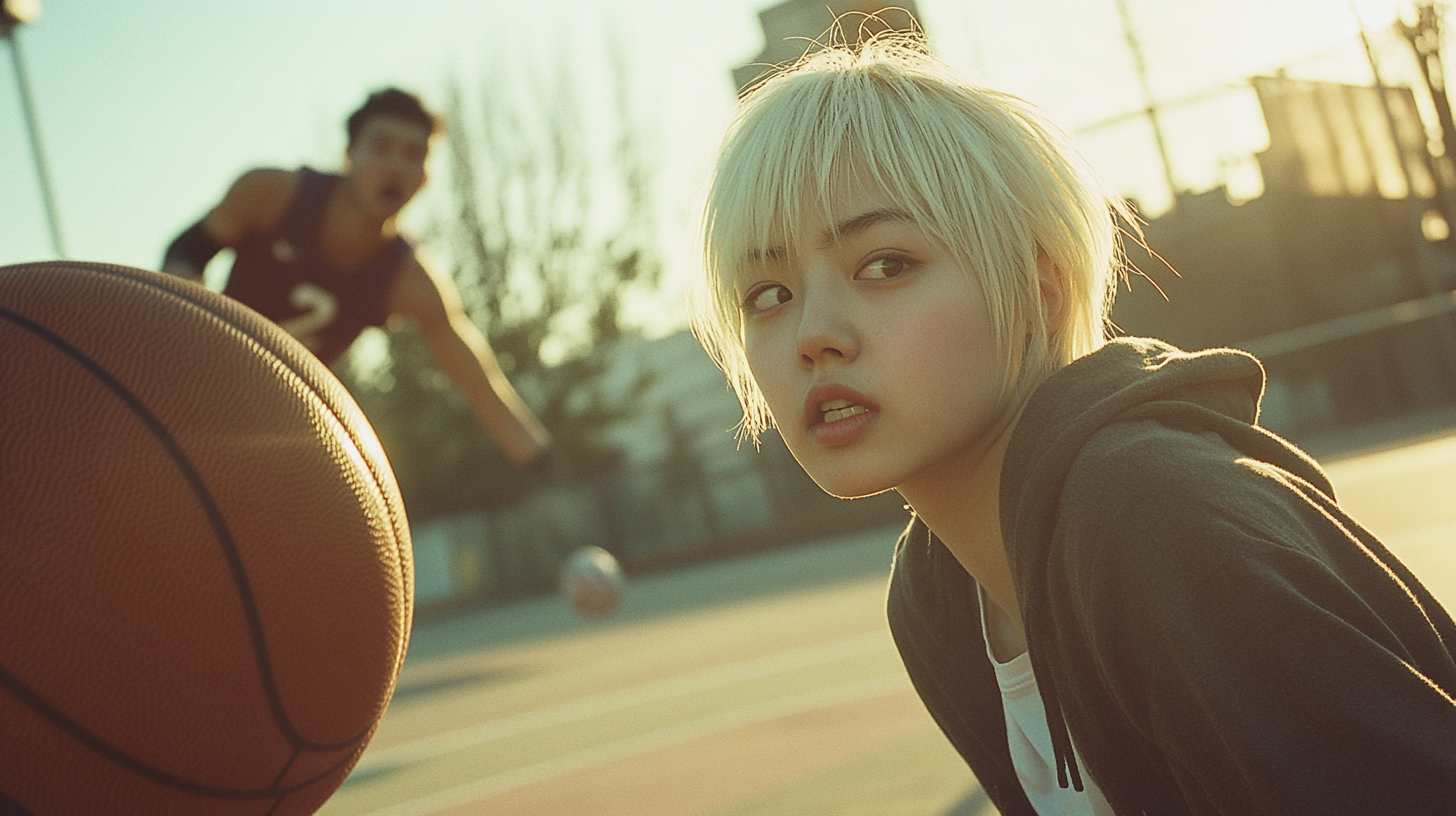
{"x":320,"y":308}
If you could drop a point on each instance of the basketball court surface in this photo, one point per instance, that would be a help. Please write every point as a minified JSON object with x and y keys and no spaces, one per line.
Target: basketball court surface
{"x":762,"y":686}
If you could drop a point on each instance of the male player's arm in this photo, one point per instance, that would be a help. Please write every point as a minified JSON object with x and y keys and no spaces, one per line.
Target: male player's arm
{"x":463,"y":354}
{"x":253,"y":204}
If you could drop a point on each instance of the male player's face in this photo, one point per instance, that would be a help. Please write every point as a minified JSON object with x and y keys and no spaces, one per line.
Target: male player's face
{"x":387,"y":163}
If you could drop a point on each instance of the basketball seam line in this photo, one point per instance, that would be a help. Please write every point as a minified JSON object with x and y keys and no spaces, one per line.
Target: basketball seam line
{"x":57,"y":718}
{"x":215,"y":520}
{"x":399,"y":528}
{"x":220,"y":529}
{"x":261,"y":343}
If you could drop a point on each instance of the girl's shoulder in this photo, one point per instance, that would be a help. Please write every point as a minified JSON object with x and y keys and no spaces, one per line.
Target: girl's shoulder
{"x":1151,"y":508}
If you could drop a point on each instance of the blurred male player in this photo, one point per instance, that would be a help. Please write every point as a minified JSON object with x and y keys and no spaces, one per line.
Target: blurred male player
{"x":321,"y":255}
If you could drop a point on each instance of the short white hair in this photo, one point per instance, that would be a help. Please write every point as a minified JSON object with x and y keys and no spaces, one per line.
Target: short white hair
{"x":982,"y":172}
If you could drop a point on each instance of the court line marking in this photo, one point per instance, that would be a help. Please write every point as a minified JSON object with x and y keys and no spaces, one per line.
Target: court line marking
{"x":704,"y":680}
{"x":587,"y":757}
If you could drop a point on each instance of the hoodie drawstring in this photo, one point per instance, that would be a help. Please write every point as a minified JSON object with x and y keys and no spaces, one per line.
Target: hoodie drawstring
{"x":1066,"y":759}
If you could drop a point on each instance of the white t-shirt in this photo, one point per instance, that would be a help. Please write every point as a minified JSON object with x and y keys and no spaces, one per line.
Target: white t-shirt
{"x":1031,"y":742}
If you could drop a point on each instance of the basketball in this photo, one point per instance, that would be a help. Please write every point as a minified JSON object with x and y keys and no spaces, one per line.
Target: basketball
{"x":592,"y":582}
{"x":205,"y":575}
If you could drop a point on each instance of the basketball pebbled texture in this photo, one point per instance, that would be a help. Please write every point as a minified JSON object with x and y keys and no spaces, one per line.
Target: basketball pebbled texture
{"x":205,"y":572}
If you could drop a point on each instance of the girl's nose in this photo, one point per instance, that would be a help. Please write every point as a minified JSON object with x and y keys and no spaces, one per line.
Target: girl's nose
{"x":826,"y":333}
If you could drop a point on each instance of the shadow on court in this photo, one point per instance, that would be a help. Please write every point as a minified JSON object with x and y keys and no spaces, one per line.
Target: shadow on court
{"x":975,"y":803}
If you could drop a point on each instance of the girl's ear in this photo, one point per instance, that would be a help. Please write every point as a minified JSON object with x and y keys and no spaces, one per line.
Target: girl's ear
{"x":1053,"y":292}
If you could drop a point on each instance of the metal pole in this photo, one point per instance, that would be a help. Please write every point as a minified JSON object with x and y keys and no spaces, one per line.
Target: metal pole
{"x":1425,"y":41}
{"x":8,"y":32}
{"x":1135,"y":48}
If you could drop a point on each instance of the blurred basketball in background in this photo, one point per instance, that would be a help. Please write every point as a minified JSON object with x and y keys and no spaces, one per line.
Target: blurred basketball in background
{"x":205,"y":576}
{"x":592,"y":582}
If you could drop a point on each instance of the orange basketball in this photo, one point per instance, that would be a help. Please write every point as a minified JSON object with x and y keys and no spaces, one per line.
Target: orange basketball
{"x":205,"y":577}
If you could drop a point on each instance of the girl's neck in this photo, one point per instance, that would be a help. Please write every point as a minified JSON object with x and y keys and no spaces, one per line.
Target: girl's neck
{"x":959,"y":500}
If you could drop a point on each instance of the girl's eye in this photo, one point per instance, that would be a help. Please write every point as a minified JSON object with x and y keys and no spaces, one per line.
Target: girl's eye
{"x":766,"y":297}
{"x":882,"y":269}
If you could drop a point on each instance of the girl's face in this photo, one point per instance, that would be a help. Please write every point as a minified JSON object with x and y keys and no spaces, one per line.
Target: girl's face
{"x":873,"y":349}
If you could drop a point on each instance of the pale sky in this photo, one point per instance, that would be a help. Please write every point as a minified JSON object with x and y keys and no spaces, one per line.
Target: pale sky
{"x":147,"y":109}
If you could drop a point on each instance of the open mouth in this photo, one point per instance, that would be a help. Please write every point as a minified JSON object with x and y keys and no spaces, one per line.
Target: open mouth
{"x":839,"y":409}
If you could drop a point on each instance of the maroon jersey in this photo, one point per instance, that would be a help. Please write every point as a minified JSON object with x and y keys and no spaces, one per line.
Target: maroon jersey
{"x":282,"y":274}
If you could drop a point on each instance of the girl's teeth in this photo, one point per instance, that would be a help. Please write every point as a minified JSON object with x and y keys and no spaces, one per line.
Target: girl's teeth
{"x":846,"y":410}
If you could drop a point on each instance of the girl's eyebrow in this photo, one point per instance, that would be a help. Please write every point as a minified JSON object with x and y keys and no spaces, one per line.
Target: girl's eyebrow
{"x":847,"y":228}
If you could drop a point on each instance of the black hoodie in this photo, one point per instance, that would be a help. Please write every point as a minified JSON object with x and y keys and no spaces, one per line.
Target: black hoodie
{"x":1204,"y":621}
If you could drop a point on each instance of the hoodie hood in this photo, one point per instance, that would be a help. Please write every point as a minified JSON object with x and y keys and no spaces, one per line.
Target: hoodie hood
{"x":1127,"y":380}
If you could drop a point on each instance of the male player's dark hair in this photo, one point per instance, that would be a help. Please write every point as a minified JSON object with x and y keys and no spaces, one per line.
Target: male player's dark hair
{"x":396,"y":104}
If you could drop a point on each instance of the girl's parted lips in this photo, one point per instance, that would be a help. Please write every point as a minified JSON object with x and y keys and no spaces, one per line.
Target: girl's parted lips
{"x":831,"y":402}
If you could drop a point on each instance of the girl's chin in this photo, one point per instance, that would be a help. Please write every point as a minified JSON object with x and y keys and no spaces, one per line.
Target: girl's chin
{"x":846,"y":476}
{"x":851,"y":488}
